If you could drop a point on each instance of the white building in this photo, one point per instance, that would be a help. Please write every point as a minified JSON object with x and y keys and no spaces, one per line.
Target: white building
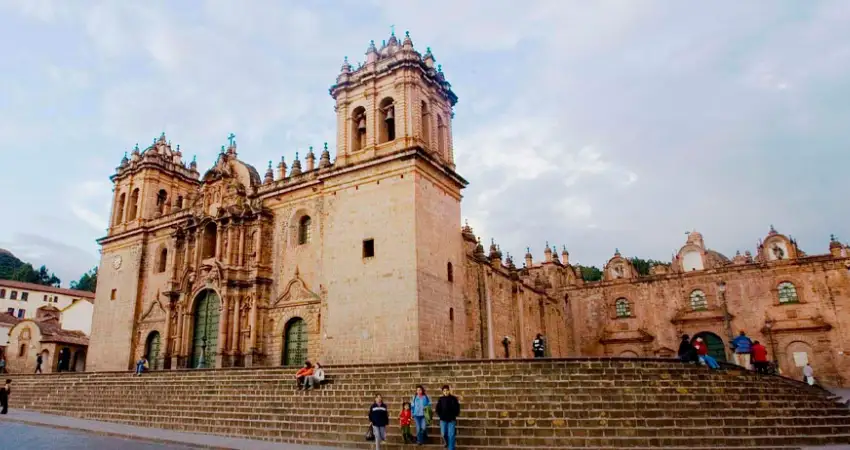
{"x":23,"y":299}
{"x":77,"y":316}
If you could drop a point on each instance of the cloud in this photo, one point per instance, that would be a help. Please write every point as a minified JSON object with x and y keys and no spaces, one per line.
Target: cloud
{"x":68,"y":262}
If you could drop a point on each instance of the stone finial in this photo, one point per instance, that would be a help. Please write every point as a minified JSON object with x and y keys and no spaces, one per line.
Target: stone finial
{"x":555,"y":254}
{"x":136,"y":149}
{"x":223,"y":150}
{"x":565,"y":255}
{"x":529,"y":260}
{"x":428,"y":58}
{"x":479,"y":251}
{"x":281,"y":168}
{"x":408,"y":43}
{"x":311,"y":160}
{"x":616,"y":252}
{"x":269,"y":174}
{"x":371,"y":52}
{"x":346,"y":67}
{"x":325,"y":159}
{"x":194,"y":164}
{"x":124,"y":160}
{"x":296,"y":167}
{"x":772,"y":230}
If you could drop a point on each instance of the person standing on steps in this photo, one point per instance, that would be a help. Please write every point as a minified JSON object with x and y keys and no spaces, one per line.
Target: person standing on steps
{"x":809,"y":375}
{"x":538,"y":346}
{"x":448,"y":408}
{"x":379,"y":417}
{"x":4,"y":396}
{"x":38,"y":361}
{"x":743,"y":346}
{"x":404,"y":420}
{"x":421,"y":408}
{"x":759,"y":353}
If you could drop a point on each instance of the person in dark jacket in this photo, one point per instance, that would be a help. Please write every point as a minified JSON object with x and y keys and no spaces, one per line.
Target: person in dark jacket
{"x":4,"y":397}
{"x":448,"y":408}
{"x":538,"y":346}
{"x":379,"y":417}
{"x":687,"y":352}
{"x":38,"y":362}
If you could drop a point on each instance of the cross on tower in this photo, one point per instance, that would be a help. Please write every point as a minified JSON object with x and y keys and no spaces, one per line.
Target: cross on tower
{"x":231,"y":138}
{"x":392,"y":30}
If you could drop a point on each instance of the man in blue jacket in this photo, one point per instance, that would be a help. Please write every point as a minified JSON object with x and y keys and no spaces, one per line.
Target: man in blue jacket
{"x":743,"y":347}
{"x":379,"y":417}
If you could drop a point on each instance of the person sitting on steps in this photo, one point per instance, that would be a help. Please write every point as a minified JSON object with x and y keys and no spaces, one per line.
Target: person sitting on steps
{"x":141,"y":366}
{"x":303,"y":373}
{"x":317,"y":378}
{"x":702,"y":352}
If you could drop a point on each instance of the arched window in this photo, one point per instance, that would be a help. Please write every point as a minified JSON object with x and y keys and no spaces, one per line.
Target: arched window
{"x":441,"y":135}
{"x":210,"y":236}
{"x":304,"y":233}
{"x":450,"y":272}
{"x":161,"y":201}
{"x":162,"y":261}
{"x":119,"y":209}
{"x":788,"y":293}
{"x":623,"y":308}
{"x":358,"y":129}
{"x":426,"y":123}
{"x":698,"y":302}
{"x":134,"y":205}
{"x":451,"y":314}
{"x":386,"y":120}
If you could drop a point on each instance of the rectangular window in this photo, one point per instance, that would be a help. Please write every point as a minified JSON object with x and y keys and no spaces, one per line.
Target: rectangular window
{"x":113,"y":294}
{"x":11,"y":311}
{"x":2,"y":293}
{"x":25,"y":296}
{"x":13,"y":295}
{"x":45,"y":297}
{"x":21,"y":313}
{"x":368,"y":248}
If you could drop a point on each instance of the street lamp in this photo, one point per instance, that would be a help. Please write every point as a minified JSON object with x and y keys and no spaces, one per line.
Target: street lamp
{"x":768,"y":325}
{"x":721,"y":288}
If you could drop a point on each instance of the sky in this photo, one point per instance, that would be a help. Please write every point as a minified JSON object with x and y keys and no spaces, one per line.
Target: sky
{"x":591,"y":125}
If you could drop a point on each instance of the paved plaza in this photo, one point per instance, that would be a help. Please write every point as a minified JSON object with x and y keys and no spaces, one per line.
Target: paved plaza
{"x":35,"y":431}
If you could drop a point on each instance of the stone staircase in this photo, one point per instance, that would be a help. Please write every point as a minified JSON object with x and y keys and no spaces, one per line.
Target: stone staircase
{"x":540,"y":404}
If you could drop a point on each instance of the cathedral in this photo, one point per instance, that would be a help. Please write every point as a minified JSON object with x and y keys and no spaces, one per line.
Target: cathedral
{"x":362,"y":258}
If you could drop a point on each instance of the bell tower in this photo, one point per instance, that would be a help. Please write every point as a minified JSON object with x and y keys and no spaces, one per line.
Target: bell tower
{"x":398,"y":99}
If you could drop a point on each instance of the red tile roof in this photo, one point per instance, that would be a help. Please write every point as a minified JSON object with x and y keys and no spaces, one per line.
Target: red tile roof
{"x":41,"y":288}
{"x":52,"y":332}
{"x":8,"y":319}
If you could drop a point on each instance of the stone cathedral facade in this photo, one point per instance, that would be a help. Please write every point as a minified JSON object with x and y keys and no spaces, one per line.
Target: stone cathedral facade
{"x":359,"y":259}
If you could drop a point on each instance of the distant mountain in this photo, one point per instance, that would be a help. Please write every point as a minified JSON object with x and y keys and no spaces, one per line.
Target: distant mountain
{"x":9,"y":264}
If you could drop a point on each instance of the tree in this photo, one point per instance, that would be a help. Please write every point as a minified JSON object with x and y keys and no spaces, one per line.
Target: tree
{"x":87,"y":282}
{"x":9,"y":264}
{"x":590,"y":273}
{"x":643,"y":265}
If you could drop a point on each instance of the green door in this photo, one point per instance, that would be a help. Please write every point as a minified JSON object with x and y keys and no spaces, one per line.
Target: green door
{"x":295,"y":350}
{"x":205,"y":337}
{"x":716,"y":349}
{"x":153,"y":350}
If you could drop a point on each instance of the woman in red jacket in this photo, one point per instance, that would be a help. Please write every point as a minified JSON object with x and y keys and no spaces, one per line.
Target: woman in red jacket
{"x":704,"y":357}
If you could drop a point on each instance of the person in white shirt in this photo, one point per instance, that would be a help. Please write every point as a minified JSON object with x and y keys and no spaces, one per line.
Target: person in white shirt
{"x":809,"y":374}
{"x":317,"y":377}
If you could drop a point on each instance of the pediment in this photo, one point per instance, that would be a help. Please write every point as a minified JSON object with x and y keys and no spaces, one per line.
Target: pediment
{"x":714,"y":314}
{"x":627,"y":336}
{"x":154,"y":313}
{"x":297,"y":292}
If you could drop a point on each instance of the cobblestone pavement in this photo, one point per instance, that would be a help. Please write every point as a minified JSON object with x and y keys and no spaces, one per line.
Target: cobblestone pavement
{"x":36,"y":431}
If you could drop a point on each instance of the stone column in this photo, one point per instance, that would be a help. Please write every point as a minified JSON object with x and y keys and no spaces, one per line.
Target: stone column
{"x":222,"y":330}
{"x":241,"y":256}
{"x":167,"y":338}
{"x":234,"y":343}
{"x":177,"y":349}
{"x":252,"y":324}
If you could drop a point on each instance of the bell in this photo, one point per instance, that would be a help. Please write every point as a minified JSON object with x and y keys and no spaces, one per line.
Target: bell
{"x":390,"y":113}
{"x":361,"y":126}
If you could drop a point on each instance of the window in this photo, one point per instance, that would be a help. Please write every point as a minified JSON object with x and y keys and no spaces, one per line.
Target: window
{"x":25,"y":296}
{"x":13,"y":295}
{"x":21,"y":313}
{"x":161,"y":201}
{"x":210,"y":240}
{"x":451,"y":314}
{"x":23,"y":350}
{"x":119,"y":215}
{"x":623,"y":308}
{"x":426,"y":123}
{"x":134,"y":204}
{"x":386,"y":115}
{"x":45,"y":298}
{"x":179,"y":202}
{"x":698,"y":302}
{"x":2,"y":293}
{"x":163,"y":260}
{"x":358,"y":121}
{"x":10,"y":311}
{"x":304,"y":233}
{"x":55,"y":299}
{"x":113,"y":294}
{"x":441,"y":136}
{"x":450,"y":272}
{"x":368,"y":248}
{"x":788,"y":293}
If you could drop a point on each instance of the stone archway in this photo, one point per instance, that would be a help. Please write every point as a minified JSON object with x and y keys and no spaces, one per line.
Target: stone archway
{"x":295,"y":342}
{"x":63,"y":362}
{"x":205,"y":332}
{"x":716,"y":347}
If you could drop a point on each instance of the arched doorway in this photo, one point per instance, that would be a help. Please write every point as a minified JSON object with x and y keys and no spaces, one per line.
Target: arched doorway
{"x":152,"y":350}
{"x":295,"y":342}
{"x":79,"y":361}
{"x":716,"y":347}
{"x":205,"y":336}
{"x":64,"y":361}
